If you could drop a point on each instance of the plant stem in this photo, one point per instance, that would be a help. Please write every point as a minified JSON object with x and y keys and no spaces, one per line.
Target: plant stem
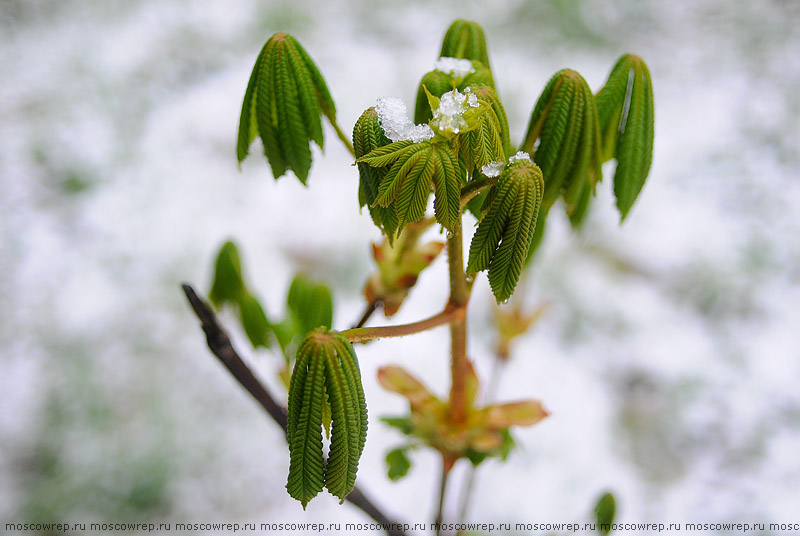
{"x":447,"y":465}
{"x":342,"y":136}
{"x":450,"y":314}
{"x":371,"y":307}
{"x":458,"y":329}
{"x":475,"y":187}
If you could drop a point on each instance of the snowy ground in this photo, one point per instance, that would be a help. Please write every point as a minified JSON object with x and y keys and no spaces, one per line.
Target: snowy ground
{"x":669,"y":356}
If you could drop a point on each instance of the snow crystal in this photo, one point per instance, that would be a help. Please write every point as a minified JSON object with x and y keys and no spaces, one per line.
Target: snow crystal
{"x":452,"y":106}
{"x":393,"y":117}
{"x":493,"y":169}
{"x":458,"y":68}
{"x":521,"y":156}
{"x":417,"y":133}
{"x":472,"y":98}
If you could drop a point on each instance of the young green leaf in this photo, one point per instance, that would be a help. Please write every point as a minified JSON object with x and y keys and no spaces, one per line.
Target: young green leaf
{"x":304,"y":423}
{"x":538,"y":238}
{"x":484,"y":144}
{"x":229,"y":288}
{"x":310,"y":305}
{"x":368,"y":136}
{"x":488,"y":94}
{"x":326,"y":365}
{"x":465,"y":39}
{"x":397,"y":463}
{"x":565,"y":122}
{"x":626,"y":111}
{"x":504,"y":234}
{"x":400,"y":423}
{"x":437,"y":83}
{"x":254,"y":321}
{"x":283,"y":104}
{"x":604,"y":513}
{"x":413,"y":169}
{"x":228,"y":285}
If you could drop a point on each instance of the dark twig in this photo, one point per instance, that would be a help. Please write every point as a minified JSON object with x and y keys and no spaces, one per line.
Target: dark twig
{"x":371,"y":307}
{"x":220,"y":345}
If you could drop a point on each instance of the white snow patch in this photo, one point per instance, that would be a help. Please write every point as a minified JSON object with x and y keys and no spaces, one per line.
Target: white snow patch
{"x":393,"y":117}
{"x":452,"y":105}
{"x":493,"y":169}
{"x":520,"y":156}
{"x":456,"y":67}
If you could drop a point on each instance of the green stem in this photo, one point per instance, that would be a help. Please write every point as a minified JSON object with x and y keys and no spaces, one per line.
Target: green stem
{"x":459,"y":367}
{"x":450,"y":314}
{"x":475,"y":187}
{"x":342,"y":136}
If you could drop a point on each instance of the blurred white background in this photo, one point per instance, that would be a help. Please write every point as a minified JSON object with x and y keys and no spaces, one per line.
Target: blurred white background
{"x":669,"y":356}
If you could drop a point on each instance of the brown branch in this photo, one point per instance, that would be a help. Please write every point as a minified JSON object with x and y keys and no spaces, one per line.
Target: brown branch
{"x":220,"y":345}
{"x":449,"y":315}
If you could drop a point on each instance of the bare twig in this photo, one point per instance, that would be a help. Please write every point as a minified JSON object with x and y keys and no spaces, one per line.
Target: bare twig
{"x":447,"y":465}
{"x":371,"y":308}
{"x":220,"y":345}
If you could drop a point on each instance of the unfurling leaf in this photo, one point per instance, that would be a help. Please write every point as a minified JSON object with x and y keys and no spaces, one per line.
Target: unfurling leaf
{"x":488,"y":94}
{"x":397,"y":380}
{"x":437,"y":83}
{"x":326,"y":365}
{"x":283,"y":104}
{"x":483,"y":144}
{"x":228,"y":285}
{"x":465,"y":39}
{"x":399,"y":266}
{"x":412,"y":169}
{"x":368,"y":135}
{"x":565,"y":122}
{"x":604,"y":513}
{"x":626,"y":111}
{"x":229,"y":288}
{"x":524,"y":413}
{"x":397,"y":463}
{"x":310,"y":305}
{"x":504,"y":233}
{"x":254,"y":321}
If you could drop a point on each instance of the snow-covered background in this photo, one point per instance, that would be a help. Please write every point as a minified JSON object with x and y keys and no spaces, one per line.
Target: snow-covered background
{"x":669,"y":356}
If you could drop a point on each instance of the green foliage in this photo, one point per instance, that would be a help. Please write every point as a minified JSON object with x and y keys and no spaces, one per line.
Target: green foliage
{"x":412,"y":169}
{"x":570,"y":134}
{"x":626,"y":113}
{"x":229,"y":288}
{"x":465,"y":39}
{"x":484,"y":143}
{"x":368,"y":135}
{"x":228,"y":285}
{"x":604,"y":513}
{"x":566,"y":124}
{"x":488,"y":94}
{"x":309,"y":305}
{"x":400,"y":423}
{"x":397,"y":463}
{"x":477,"y":457}
{"x":283,"y":104}
{"x":438,"y":83}
{"x":326,"y":368}
{"x":504,"y":234}
{"x":254,"y":321}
